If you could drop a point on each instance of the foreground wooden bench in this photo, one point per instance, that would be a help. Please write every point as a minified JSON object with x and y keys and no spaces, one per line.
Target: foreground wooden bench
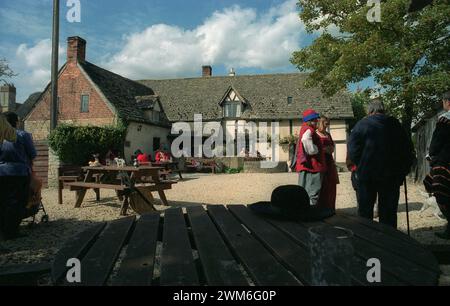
{"x":235,"y":247}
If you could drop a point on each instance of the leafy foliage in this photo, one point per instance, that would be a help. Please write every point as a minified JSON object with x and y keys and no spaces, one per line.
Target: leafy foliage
{"x":406,"y":53}
{"x":228,"y":170}
{"x":5,"y":71}
{"x":76,"y":144}
{"x":291,"y":139}
{"x":360,"y":101}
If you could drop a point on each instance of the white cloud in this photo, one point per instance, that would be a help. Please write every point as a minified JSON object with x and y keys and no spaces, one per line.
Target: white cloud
{"x":234,"y":37}
{"x":34,"y":64}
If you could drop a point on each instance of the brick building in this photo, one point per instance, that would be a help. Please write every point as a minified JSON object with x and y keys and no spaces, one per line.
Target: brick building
{"x":92,"y":95}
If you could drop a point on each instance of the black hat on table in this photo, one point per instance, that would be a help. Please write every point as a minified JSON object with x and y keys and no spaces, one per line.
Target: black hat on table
{"x":291,"y":202}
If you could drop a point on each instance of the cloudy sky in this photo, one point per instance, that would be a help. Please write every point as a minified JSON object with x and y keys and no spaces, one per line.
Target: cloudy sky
{"x":154,"y":39}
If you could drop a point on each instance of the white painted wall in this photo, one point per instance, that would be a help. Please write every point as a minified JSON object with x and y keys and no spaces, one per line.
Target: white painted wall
{"x":140,"y":136}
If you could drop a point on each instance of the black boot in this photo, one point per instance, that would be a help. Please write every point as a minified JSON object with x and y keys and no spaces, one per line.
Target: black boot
{"x":446,"y":234}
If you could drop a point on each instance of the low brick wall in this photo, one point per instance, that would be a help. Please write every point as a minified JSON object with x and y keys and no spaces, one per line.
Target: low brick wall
{"x":231,"y":162}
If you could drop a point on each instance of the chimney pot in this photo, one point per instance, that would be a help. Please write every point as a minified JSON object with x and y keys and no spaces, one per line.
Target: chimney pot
{"x":76,"y":49}
{"x":206,"y":71}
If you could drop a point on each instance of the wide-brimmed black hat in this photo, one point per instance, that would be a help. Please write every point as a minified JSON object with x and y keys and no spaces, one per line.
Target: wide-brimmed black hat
{"x":291,"y":202}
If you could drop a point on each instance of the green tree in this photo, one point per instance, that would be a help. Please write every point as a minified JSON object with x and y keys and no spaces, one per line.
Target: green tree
{"x":407,"y":54}
{"x":359,"y":105}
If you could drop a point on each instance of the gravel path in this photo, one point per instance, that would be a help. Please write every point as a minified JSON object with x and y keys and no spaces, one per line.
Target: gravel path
{"x":44,"y":240}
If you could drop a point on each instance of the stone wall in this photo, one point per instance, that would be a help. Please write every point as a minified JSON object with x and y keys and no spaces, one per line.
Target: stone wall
{"x":53,"y":165}
{"x":256,"y":167}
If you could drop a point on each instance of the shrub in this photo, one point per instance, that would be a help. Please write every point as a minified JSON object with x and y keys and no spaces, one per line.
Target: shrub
{"x":76,"y":144}
{"x":232,"y":170}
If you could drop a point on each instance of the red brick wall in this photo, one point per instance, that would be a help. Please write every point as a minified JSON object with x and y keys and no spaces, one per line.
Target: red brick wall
{"x":72,"y":84}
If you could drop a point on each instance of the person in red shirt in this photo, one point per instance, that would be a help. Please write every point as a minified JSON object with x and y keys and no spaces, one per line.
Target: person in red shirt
{"x":309,"y":162}
{"x":141,"y":157}
{"x":162,"y":155}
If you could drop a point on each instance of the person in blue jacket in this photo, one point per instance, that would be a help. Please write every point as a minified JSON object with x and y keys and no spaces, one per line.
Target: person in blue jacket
{"x":16,"y":160}
{"x":383,"y":154}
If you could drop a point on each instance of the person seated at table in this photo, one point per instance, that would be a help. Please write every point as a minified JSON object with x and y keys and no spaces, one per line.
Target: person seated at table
{"x":95,"y":161}
{"x":141,"y":157}
{"x":162,"y":155}
{"x":109,"y":158}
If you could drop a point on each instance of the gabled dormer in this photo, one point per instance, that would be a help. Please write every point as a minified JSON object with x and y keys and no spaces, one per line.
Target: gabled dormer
{"x":151,"y":106}
{"x":233,"y":104}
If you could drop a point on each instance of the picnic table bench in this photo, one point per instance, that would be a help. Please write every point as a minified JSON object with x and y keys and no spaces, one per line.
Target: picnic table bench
{"x":106,"y":177}
{"x":205,"y":164}
{"x":231,"y":246}
{"x":169,"y":167}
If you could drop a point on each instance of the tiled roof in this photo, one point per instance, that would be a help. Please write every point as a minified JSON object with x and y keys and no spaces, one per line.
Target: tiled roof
{"x":25,"y":108}
{"x":266,"y":95}
{"x":121,"y":93}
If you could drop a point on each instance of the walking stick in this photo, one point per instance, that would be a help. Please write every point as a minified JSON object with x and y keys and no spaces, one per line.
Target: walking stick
{"x":407,"y":208}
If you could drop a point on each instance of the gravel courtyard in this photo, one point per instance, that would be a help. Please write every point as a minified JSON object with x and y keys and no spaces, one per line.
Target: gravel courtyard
{"x":44,"y":240}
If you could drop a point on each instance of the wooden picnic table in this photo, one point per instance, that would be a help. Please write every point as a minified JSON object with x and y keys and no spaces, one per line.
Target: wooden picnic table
{"x":169,"y":166}
{"x":232,"y":246}
{"x":122,"y":180}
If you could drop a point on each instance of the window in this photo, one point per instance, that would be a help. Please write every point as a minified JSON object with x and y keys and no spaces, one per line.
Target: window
{"x":85,"y":104}
{"x":232,"y":109}
{"x":156,"y":116}
{"x":58,"y":105}
{"x":156,"y":143}
{"x":289,"y":100}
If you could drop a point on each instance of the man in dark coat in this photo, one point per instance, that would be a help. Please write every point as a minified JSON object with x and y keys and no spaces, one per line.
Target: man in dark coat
{"x":383,"y":155}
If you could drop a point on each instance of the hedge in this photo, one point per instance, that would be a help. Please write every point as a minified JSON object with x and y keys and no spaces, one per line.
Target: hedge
{"x":75,"y":145}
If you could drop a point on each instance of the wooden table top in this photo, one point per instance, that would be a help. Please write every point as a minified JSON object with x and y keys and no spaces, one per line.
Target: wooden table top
{"x":125,"y":168}
{"x":231,"y":245}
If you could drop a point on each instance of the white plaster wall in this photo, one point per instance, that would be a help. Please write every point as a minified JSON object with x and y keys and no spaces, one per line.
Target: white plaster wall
{"x":143,"y":139}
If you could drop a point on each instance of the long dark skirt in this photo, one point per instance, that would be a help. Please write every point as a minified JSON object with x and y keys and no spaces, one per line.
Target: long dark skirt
{"x":14,"y":191}
{"x":438,"y":184}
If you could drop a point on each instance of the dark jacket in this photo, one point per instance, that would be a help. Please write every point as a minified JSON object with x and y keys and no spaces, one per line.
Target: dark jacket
{"x":440,"y":142}
{"x":381,"y":149}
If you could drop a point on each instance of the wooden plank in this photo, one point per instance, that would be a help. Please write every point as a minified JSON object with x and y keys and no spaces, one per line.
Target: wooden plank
{"x":219,"y":266}
{"x":262,"y":267}
{"x":23,"y":274}
{"x":40,"y":163}
{"x":82,"y":185}
{"x":295,"y":257}
{"x":392,"y":232}
{"x":40,"y":169}
{"x":177,"y":262}
{"x":99,"y":261}
{"x":405,"y":249}
{"x":299,"y":233}
{"x":74,"y":248}
{"x":402,"y":269}
{"x":136,"y":268}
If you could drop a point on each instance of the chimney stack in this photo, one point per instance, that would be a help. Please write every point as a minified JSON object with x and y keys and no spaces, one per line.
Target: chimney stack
{"x":232,"y":72}
{"x":76,"y":49}
{"x":206,"y":71}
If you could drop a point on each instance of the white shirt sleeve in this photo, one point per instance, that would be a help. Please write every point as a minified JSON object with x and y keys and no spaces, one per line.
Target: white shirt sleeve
{"x":308,"y":145}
